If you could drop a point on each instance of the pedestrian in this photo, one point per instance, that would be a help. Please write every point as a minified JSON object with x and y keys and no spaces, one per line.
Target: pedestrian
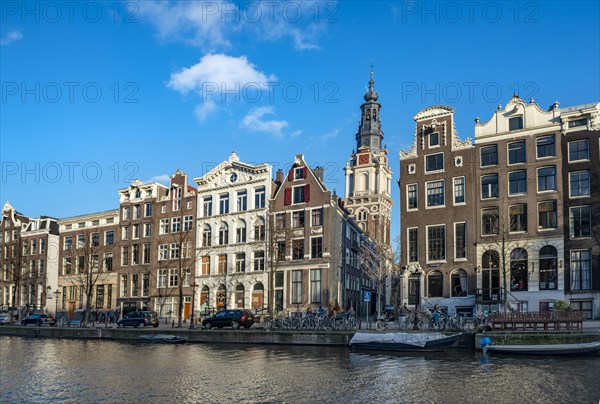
{"x":321,"y":311}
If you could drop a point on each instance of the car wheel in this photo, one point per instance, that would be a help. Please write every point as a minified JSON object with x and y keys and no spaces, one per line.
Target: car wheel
{"x":24,"y":323}
{"x":143,"y":325}
{"x":40,"y":323}
{"x":208,"y":325}
{"x":235,"y":325}
{"x":154,"y":325}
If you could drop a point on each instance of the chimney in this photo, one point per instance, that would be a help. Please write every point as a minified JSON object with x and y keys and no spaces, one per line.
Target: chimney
{"x":319,"y":172}
{"x":279,"y":177}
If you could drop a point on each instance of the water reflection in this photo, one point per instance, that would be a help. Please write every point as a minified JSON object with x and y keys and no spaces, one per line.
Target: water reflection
{"x":83,"y":371}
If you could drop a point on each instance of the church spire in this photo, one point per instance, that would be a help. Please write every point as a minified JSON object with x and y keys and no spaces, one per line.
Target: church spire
{"x":369,"y":130}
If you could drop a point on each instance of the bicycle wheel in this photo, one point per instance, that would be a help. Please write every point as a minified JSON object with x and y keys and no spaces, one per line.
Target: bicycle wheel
{"x":380,"y":325}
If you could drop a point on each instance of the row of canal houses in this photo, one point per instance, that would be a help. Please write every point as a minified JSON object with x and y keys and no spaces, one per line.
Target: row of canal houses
{"x":222,"y":236}
{"x":510,"y":218}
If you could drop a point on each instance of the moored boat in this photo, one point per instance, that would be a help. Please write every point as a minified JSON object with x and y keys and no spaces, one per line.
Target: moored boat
{"x":544,"y":349}
{"x":404,"y":341}
{"x":163,"y":338}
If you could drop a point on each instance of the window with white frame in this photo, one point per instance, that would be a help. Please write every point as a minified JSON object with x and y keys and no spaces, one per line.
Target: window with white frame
{"x":459,"y":190}
{"x":147,"y":229}
{"x":177,"y":199}
{"x":136,"y":231}
{"x":223,"y":204}
{"x":434,"y":162}
{"x":434,"y":139}
{"x":489,"y":155}
{"x":135,"y":254}
{"x":413,"y":244}
{"x":298,"y":194}
{"x":176,"y":224}
{"x":163,"y":252}
{"x":137,"y":211}
{"x":489,"y":221}
{"x":175,"y":251}
{"x":242,"y":201}
{"x":146,"y":254}
{"x":580,"y":221}
{"x":240,"y":231}
{"x":296,"y":287}
{"x":436,"y":243}
{"x":126,"y":213}
{"x":109,"y":237}
{"x":68,"y":243}
{"x":298,"y":249}
{"x":515,"y":123}
{"x":518,"y":218}
{"x":517,"y":182}
{"x":546,"y":178}
{"x":579,"y":183}
{"x":80,"y":242}
{"x":173,"y":278}
{"x":412,"y":198}
{"x":581,"y":270}
{"x":240,"y":262}
{"x":125,"y":232}
{"x":298,"y":219}
{"x":188,"y":222}
{"x":579,"y":150}
{"x":259,"y":260}
{"x":124,"y":292}
{"x":207,"y":206}
{"x":435,"y":193}
{"x":460,"y":241}
{"x":489,"y":186}
{"x":206,"y":236}
{"x":205,"y":265}
{"x":259,"y":198}
{"x":547,"y":215}
{"x":316,"y":288}
{"x":259,"y":229}
{"x":224,"y":234}
{"x":164,"y":226}
{"x":147,"y":210}
{"x":124,"y":255}
{"x":187,"y":275}
{"x":545,"y":146}
{"x":516,"y":152}
{"x":316,"y":247}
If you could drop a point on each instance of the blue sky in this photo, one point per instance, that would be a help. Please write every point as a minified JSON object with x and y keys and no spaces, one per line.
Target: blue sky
{"x":97,"y":94}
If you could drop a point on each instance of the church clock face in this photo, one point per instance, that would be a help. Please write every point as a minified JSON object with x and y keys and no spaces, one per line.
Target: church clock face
{"x":363,"y":159}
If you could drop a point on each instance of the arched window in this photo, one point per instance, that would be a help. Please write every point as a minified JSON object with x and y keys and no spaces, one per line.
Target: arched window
{"x":223,"y":234}
{"x":490,"y":260}
{"x":362,"y":215}
{"x":258,"y":294}
{"x":259,"y":229}
{"x":435,"y":284}
{"x":518,"y":269}
{"x":239,"y":296}
{"x":459,"y":283}
{"x":240,"y":231}
{"x":221,"y":297}
{"x":548,"y":268}
{"x":204,"y":300}
{"x":206,"y":236}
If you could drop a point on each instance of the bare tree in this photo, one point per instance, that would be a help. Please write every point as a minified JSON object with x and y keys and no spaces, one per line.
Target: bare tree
{"x":83,"y":266}
{"x":506,"y":236}
{"x":14,"y":266}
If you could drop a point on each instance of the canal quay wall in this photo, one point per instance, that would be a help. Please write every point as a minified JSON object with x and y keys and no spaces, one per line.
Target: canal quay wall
{"x":262,"y":337}
{"x":252,"y":336}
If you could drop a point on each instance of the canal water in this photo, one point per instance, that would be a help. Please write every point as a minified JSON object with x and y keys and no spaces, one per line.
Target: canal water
{"x":41,"y":370}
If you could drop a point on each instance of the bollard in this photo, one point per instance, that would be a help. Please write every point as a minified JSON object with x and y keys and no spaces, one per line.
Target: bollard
{"x":173,"y":324}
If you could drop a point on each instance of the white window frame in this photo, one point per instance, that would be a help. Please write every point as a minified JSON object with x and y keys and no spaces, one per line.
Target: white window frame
{"x":408,"y":208}
{"x":456,"y":243}
{"x":439,"y":170}
{"x":464,"y":178}
{"x":427,"y":260}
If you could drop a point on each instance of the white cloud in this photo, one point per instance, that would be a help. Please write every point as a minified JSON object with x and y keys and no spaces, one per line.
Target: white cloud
{"x":212,"y":25}
{"x":219,"y":77}
{"x":11,"y":36}
{"x":161,"y":179}
{"x":255,"y":121}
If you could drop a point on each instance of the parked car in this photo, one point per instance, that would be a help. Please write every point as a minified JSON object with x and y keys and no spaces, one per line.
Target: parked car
{"x":4,"y":318}
{"x":230,"y":318}
{"x":39,"y":319}
{"x":139,"y":319}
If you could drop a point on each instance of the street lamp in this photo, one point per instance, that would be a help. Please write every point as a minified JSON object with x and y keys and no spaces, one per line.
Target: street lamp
{"x":193,"y":286}
{"x":417,"y":273}
{"x":56,"y":294}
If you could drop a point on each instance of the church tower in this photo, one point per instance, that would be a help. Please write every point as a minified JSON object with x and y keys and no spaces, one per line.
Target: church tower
{"x":368,"y":174}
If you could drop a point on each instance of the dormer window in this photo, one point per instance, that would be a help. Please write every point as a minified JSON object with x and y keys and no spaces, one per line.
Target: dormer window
{"x":515,"y":123}
{"x":299,"y":173}
{"x":434,"y":139}
{"x":138,"y":193}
